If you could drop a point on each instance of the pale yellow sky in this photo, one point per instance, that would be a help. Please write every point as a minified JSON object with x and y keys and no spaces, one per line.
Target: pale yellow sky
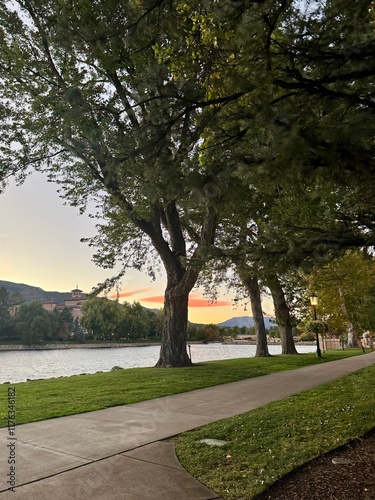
{"x":40,"y":246}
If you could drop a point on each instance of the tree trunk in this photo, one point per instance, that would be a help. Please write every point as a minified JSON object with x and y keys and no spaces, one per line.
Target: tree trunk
{"x":180,"y":278}
{"x":173,"y":345}
{"x":252,"y":286}
{"x":283,"y":318}
{"x":353,"y":327}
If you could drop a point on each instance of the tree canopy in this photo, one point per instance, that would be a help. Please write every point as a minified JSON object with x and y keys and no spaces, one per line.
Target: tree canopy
{"x":345,"y":290}
{"x":162,"y":111}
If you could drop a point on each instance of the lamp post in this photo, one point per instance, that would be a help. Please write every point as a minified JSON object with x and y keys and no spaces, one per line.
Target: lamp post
{"x":314,"y":303}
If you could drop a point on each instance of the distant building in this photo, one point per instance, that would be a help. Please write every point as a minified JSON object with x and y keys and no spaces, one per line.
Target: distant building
{"x":13,"y":310}
{"x":49,"y":305}
{"x":74,"y":304}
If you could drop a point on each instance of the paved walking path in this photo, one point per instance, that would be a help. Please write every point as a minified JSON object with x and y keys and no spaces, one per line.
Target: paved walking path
{"x":117,"y":453}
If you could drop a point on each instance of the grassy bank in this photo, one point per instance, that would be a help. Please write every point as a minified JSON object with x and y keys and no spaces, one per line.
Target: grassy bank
{"x":42,"y":399}
{"x":266,"y":443}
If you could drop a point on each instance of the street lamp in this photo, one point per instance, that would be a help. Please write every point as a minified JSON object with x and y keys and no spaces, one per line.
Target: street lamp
{"x":314,"y":303}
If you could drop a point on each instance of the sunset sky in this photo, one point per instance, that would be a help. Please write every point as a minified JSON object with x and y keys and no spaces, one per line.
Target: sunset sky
{"x":40,"y":246}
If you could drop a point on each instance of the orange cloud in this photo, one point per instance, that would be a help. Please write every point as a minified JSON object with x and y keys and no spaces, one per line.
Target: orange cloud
{"x":206,"y":303}
{"x":193,"y":301}
{"x":130,"y":293}
{"x":157,"y":299}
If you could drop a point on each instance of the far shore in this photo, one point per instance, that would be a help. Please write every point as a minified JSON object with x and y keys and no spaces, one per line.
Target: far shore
{"x":49,"y":347}
{"x":104,"y":345}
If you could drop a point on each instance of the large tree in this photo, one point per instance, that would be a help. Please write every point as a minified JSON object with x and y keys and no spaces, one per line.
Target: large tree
{"x":303,"y":138}
{"x":86,"y":99}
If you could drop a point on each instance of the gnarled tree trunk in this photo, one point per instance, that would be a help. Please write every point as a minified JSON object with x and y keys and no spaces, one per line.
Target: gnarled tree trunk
{"x":173,"y":347}
{"x":180,"y":281}
{"x":252,"y":286}
{"x":282,"y":314}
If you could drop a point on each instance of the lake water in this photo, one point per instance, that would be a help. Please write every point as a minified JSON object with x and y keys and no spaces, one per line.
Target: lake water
{"x":17,"y":366}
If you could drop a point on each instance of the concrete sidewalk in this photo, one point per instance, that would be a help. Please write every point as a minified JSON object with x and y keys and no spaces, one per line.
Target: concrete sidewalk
{"x":117,"y":453}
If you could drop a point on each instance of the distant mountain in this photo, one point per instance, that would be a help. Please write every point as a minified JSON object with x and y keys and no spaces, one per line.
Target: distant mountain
{"x":247,"y":321}
{"x":29,"y":293}
{"x":150,"y":310}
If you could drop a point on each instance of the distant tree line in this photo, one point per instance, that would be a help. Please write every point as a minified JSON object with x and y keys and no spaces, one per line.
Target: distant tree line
{"x":102,"y":320}
{"x":212,"y":332}
{"x":105,"y":319}
{"x":31,"y":324}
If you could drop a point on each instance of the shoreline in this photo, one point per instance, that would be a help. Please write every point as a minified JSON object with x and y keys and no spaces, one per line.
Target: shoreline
{"x":51,"y":347}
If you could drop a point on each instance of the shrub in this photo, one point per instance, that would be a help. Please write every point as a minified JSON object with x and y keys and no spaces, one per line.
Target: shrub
{"x":307,"y":337}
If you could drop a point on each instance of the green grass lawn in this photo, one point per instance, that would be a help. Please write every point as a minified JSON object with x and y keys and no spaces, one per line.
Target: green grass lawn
{"x":42,"y":399}
{"x":266,"y":443}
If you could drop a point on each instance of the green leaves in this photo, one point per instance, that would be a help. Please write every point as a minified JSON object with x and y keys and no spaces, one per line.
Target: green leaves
{"x":106,"y":319}
{"x":34,"y":324}
{"x":344,"y":287}
{"x":253,"y":118}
